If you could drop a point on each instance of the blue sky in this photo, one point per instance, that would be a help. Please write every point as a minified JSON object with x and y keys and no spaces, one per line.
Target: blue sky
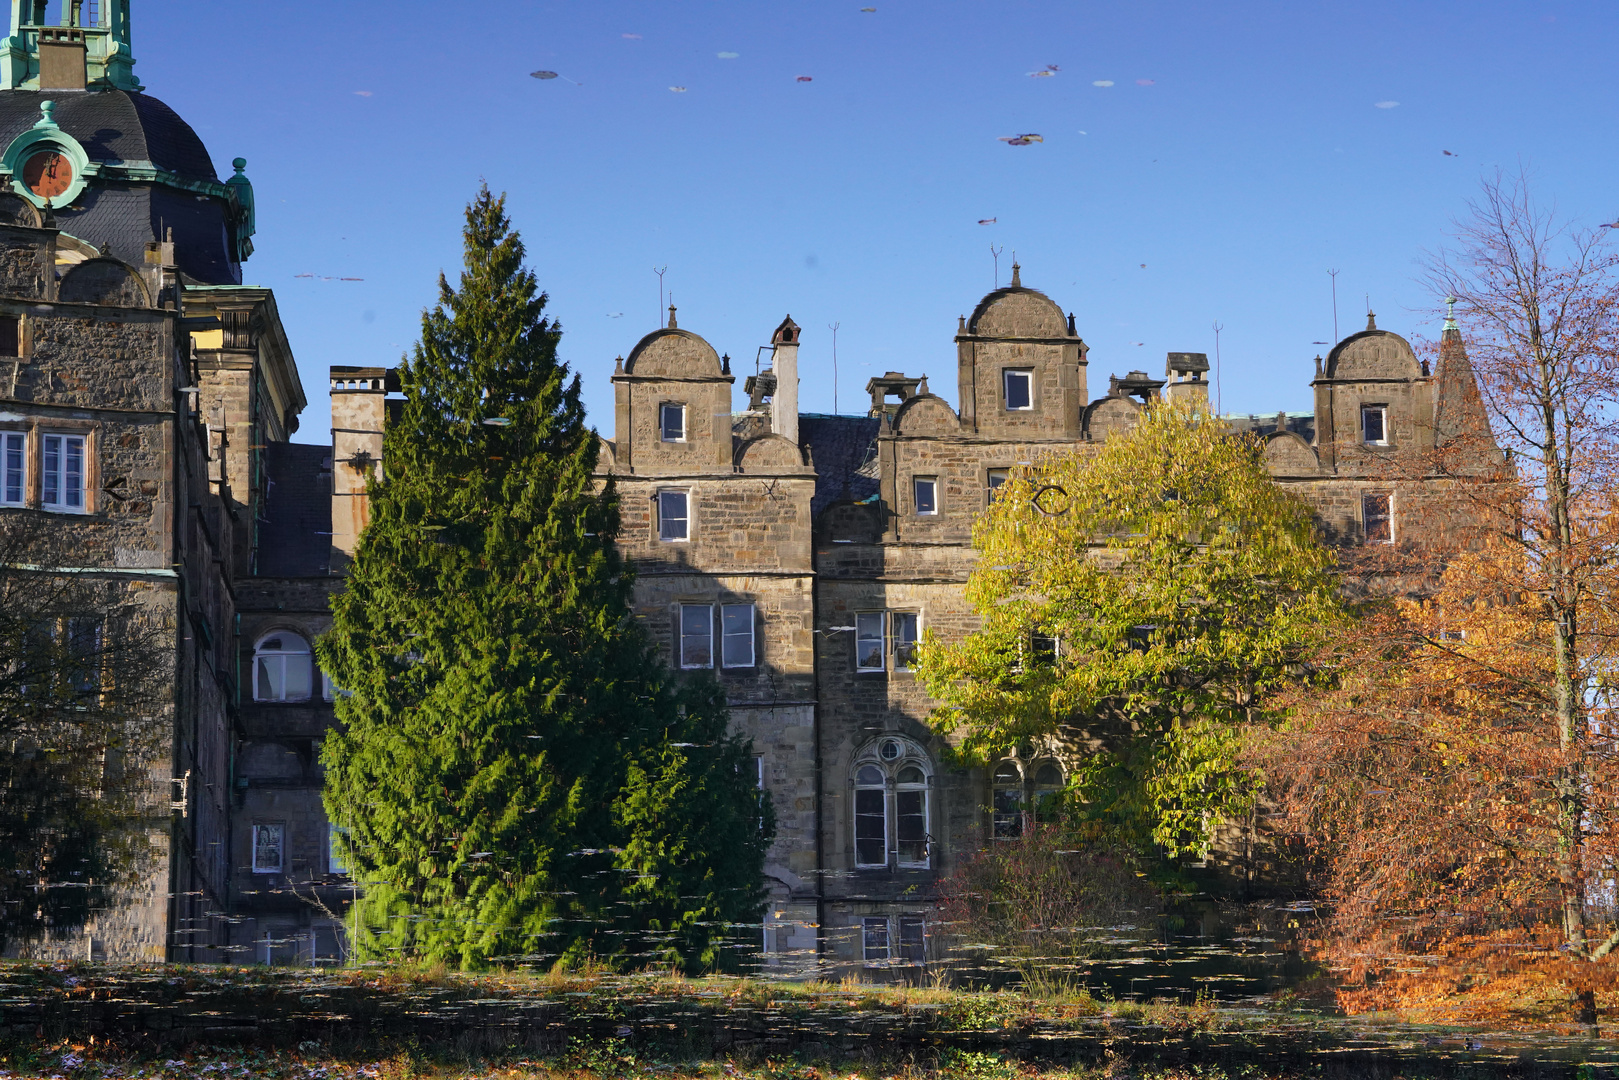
{"x":1238,"y":154}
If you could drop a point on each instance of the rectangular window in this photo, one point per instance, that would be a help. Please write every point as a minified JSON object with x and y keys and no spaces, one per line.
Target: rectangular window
{"x":1373,"y":429}
{"x":736,"y":635}
{"x":10,"y":336}
{"x":868,"y":641}
{"x":269,"y":848}
{"x":674,"y":515}
{"x":905,"y":639}
{"x":335,"y":862}
{"x":993,"y":481}
{"x":13,"y":486}
{"x":696,"y":636}
{"x":1376,"y":520}
{"x":926,"y":492}
{"x":874,"y":940}
{"x":1008,"y":813}
{"x":913,"y":940}
{"x":911,"y":824}
{"x":1044,"y":649}
{"x":1019,"y":386}
{"x":62,"y":473}
{"x":83,"y":655}
{"x":672,"y":422}
{"x":870,"y":828}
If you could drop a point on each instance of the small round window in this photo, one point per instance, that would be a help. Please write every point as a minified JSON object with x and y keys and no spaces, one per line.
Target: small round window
{"x":891,"y":750}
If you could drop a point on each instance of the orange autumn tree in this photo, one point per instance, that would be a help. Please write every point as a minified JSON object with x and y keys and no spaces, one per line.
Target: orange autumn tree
{"x":1461,"y":777}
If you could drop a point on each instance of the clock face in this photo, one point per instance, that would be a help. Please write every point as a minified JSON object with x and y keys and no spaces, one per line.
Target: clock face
{"x":47,"y":174}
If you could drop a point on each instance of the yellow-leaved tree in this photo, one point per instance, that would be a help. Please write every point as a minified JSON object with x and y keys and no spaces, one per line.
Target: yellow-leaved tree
{"x":1145,"y":600}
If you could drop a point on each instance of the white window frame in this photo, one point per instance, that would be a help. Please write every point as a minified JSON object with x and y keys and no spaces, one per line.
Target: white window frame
{"x":62,"y":446}
{"x":277,"y":829}
{"x":1006,"y":822}
{"x":1026,"y":375}
{"x":891,"y":931}
{"x":871,"y":927}
{"x":922,"y":789}
{"x":281,"y":657}
{"x":882,"y":791}
{"x":728,"y":637}
{"x":905,"y":648}
{"x":864,"y":632}
{"x":13,"y":468}
{"x":664,"y":409}
{"x":931,"y":483}
{"x":706,"y":613}
{"x":1382,"y":414}
{"x":666,"y":519}
{"x":1366,"y":519}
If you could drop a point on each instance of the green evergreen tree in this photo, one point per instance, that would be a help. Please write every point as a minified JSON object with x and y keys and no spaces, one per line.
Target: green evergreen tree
{"x":519,"y":777}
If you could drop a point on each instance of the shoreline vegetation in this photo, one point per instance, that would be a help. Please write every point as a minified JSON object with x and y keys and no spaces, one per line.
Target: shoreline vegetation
{"x":92,"y":1021}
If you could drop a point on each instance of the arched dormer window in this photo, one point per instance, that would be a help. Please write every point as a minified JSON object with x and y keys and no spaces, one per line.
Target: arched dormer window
{"x":283,"y":670}
{"x":892,"y":812}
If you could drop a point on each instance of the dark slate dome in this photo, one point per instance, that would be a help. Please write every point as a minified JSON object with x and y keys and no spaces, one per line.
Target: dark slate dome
{"x":114,"y":126}
{"x":124,"y":130}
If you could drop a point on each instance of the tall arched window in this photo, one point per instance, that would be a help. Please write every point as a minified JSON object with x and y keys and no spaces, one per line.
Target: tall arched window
{"x":282,"y":668}
{"x":1048,"y":785}
{"x":892,"y":781}
{"x":1008,"y":800}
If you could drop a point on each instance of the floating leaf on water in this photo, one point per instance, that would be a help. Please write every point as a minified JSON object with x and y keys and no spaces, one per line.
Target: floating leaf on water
{"x":543,"y":74}
{"x":986,"y":221}
{"x":805,"y":78}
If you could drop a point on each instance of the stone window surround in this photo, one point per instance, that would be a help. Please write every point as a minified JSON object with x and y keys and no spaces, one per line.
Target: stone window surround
{"x":657,"y":502}
{"x":993,"y":483}
{"x":931,"y":479}
{"x":892,"y":756}
{"x":1382,"y":410}
{"x":1389,"y":507}
{"x":281,"y":849}
{"x":891,"y":930}
{"x":889,"y":638}
{"x":34,"y":429}
{"x":663,"y":426}
{"x":1016,"y":789}
{"x":1006,"y":387}
{"x":716,"y":634}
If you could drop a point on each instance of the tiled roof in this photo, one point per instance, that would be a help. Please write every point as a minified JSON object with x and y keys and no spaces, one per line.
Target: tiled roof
{"x":113,"y":126}
{"x":295,"y":535}
{"x":840,"y":446}
{"x":1301,"y":424}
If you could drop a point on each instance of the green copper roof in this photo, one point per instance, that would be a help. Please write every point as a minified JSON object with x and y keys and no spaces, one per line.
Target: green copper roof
{"x":109,"y":61}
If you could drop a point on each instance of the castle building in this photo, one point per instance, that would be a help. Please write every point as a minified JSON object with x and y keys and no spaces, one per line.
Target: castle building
{"x":147,"y":401}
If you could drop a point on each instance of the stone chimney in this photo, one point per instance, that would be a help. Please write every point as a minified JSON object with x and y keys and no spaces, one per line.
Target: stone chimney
{"x":784,"y":363}
{"x":1185,"y":371}
{"x":359,"y":410}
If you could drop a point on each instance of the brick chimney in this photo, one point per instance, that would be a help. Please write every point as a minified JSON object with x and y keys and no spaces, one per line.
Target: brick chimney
{"x":784,"y":362}
{"x":359,"y":411}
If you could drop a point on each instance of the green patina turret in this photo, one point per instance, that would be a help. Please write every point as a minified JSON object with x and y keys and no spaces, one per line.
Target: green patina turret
{"x":91,"y":44}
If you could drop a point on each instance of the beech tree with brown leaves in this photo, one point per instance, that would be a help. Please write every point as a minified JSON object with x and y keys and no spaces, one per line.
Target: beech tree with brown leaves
{"x":1460,"y":779}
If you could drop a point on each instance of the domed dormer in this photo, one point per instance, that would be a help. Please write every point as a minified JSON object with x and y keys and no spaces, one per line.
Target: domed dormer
{"x":673,"y":405}
{"x":1373,"y":398}
{"x":1020,"y":366}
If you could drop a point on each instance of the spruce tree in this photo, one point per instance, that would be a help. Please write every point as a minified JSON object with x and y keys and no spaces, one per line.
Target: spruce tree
{"x":519,"y":777}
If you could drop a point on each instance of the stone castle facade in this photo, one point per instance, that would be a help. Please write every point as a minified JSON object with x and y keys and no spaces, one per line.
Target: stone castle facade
{"x":797,"y":557}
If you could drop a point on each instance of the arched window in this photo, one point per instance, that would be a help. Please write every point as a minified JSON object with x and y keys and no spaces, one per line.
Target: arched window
{"x":870,"y":817}
{"x":1048,"y":785}
{"x":892,"y":781}
{"x":1008,"y":800}
{"x":282,"y":668}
